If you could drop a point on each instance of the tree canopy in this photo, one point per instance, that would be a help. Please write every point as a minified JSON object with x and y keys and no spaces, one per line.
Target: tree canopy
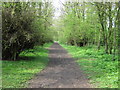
{"x":90,"y":24}
{"x":27,"y":24}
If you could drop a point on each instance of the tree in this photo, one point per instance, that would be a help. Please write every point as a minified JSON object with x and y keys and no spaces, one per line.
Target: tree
{"x":24,"y":27}
{"x":93,"y":23}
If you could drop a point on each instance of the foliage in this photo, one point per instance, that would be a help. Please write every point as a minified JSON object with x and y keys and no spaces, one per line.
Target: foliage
{"x":101,"y":70}
{"x":16,"y":73}
{"x":27,"y":25}
{"x":90,"y":24}
{"x":24,"y":27}
{"x":108,"y":18}
{"x":80,"y":25}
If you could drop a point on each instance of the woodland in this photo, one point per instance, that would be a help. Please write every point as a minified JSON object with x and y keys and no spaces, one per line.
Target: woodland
{"x":29,"y":27}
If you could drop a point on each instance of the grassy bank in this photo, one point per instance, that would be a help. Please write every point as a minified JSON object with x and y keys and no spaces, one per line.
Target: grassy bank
{"x":15,"y":74}
{"x":100,"y":67}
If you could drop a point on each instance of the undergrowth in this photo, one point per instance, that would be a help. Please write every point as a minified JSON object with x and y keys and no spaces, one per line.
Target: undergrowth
{"x":101,"y":68}
{"x":15,"y":74}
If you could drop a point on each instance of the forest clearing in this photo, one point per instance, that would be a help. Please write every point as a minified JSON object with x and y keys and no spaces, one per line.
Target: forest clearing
{"x":61,"y":44}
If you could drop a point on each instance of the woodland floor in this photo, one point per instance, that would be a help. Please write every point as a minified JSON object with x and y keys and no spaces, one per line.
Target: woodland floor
{"x":61,"y":72}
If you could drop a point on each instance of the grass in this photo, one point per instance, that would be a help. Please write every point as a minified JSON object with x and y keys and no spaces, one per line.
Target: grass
{"x":15,"y":74}
{"x":99,"y":67}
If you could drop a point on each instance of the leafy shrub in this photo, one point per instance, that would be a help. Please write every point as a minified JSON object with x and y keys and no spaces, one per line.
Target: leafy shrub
{"x":22,"y":29}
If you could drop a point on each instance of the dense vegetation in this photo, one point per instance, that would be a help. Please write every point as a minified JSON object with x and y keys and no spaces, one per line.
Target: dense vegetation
{"x":99,"y":67}
{"x":92,"y":30}
{"x":25,"y":25}
{"x":90,"y":24}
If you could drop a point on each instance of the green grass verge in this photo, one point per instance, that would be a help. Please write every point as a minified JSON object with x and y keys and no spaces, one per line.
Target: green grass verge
{"x":100,"y":67}
{"x":15,"y":74}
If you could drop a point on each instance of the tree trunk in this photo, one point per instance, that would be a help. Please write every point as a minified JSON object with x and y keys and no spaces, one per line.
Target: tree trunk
{"x":106,"y":45}
{"x":98,"y":47}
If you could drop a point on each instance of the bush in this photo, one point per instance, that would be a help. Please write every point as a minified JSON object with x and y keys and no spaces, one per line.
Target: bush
{"x":22,"y":29}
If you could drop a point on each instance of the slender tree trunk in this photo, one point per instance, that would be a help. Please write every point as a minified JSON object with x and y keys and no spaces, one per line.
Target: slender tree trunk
{"x":110,"y":38}
{"x":98,"y":47}
{"x":106,"y":45}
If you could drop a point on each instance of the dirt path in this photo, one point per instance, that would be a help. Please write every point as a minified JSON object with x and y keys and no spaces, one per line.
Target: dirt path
{"x":61,"y":72}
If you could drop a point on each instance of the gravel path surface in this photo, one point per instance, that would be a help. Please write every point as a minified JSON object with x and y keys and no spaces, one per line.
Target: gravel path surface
{"x":61,"y":72}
